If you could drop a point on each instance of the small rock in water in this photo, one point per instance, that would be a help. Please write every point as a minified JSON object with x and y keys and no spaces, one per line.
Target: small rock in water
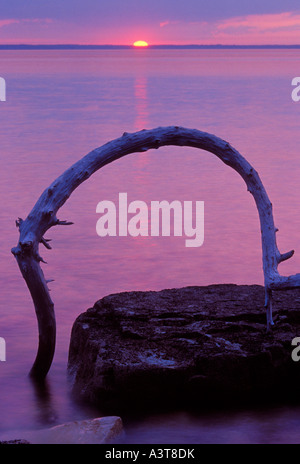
{"x":101,"y":430}
{"x":15,"y":442}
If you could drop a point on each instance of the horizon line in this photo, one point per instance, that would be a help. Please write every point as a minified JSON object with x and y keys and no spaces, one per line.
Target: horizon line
{"x":157,"y":46}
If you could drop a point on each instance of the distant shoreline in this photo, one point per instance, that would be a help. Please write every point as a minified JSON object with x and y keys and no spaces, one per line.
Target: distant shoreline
{"x":151,"y":47}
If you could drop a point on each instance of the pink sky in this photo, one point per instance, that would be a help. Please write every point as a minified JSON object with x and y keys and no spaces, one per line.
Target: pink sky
{"x":283,"y":28}
{"x":271,"y":28}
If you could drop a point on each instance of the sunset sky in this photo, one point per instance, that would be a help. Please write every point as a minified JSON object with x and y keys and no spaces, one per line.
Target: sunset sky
{"x":156,"y":21}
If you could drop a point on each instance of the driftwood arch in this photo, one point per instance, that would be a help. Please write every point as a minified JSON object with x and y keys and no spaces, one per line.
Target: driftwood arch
{"x":43,"y":217}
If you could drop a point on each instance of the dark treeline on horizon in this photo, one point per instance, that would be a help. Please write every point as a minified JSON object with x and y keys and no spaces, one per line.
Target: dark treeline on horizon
{"x":121,"y":47}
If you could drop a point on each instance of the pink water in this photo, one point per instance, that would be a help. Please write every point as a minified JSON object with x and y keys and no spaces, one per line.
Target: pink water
{"x":62,"y":104}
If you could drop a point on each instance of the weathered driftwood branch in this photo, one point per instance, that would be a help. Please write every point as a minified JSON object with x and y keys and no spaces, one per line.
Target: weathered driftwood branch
{"x":43,"y":217}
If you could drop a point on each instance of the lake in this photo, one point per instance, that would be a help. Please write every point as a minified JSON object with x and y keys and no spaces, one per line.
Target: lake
{"x":62,"y":104}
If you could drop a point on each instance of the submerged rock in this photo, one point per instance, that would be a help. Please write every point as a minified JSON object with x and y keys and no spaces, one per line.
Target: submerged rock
{"x":196,"y":346}
{"x":15,"y":442}
{"x":101,"y":430}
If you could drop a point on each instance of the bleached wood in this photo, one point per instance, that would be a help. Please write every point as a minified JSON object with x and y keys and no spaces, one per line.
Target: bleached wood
{"x":43,"y":217}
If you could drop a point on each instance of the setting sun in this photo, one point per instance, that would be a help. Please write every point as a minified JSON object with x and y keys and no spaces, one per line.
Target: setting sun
{"x":140,"y":43}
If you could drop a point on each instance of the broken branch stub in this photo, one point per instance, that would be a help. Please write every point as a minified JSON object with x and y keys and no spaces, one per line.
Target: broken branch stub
{"x":43,"y":217}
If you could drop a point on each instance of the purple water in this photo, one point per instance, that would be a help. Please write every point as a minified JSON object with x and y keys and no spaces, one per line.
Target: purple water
{"x":62,"y":104}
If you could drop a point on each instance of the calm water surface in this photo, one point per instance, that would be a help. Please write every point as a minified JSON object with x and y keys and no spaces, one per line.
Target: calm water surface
{"x":61,"y":105}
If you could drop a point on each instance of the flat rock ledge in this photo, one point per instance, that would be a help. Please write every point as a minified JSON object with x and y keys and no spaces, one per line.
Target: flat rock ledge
{"x":193,"y":346}
{"x":100,"y":430}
